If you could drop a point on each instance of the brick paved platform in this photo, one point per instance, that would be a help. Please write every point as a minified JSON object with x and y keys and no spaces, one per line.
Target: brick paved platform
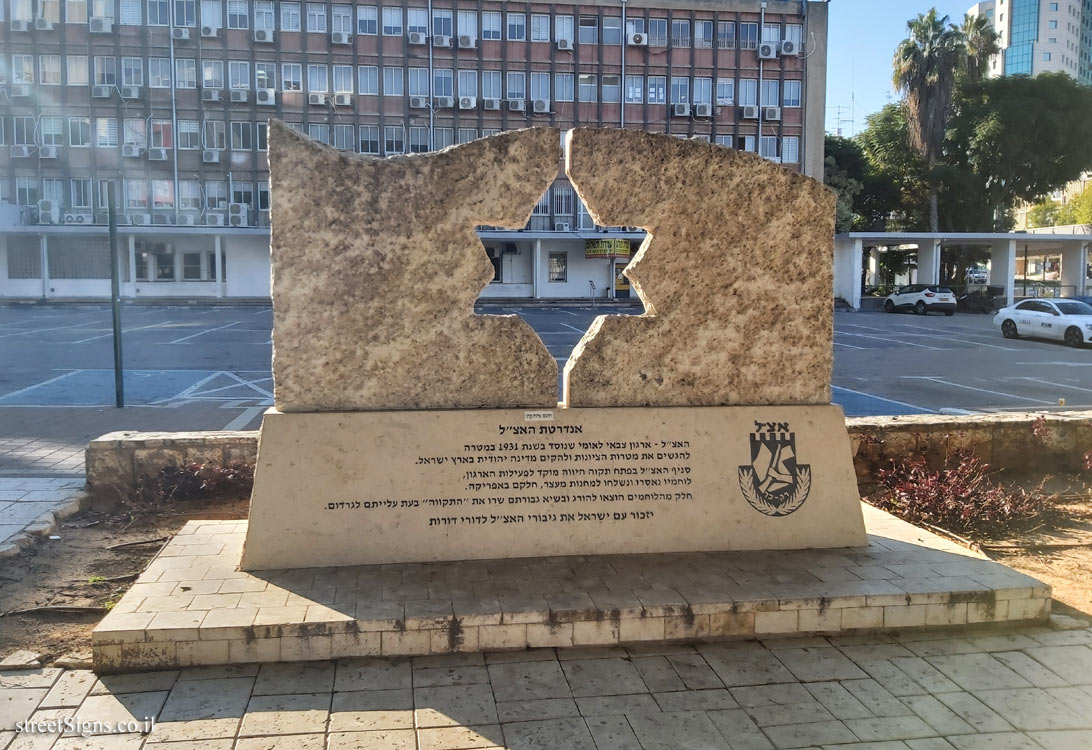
{"x":34,"y":505}
{"x":192,"y":606}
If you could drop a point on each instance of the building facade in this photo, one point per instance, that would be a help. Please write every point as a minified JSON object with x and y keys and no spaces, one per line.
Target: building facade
{"x":165,"y":102}
{"x":1040,"y":36}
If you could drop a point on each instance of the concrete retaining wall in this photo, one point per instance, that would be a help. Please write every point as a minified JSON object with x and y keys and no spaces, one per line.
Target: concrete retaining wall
{"x":1018,"y":443}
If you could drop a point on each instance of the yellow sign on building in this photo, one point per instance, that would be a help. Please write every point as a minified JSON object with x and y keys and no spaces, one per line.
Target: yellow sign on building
{"x":612,"y":248}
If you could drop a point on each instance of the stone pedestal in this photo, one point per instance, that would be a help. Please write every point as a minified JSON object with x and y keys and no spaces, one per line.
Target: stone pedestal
{"x":353,"y":488}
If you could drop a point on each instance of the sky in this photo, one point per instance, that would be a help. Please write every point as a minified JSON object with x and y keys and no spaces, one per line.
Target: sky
{"x":863,"y":35}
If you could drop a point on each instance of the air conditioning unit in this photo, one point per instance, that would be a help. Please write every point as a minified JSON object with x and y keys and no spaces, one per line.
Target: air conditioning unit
{"x":680,"y":110}
{"x":211,"y":95}
{"x":21,"y":152}
{"x":210,"y":156}
{"x":565,"y":45}
{"x":49,"y":212}
{"x":316,"y":100}
{"x":441,"y":40}
{"x":418,"y":102}
{"x":444,"y":102}
{"x":214,"y":220}
{"x":158,"y":154}
{"x":703,"y":110}
{"x":162,"y":219}
{"x":97,"y":92}
{"x":749,"y":112}
{"x":562,"y":226}
{"x":771,"y":114}
{"x":43,"y":24}
{"x":418,"y":37}
{"x":47,"y":206}
{"x":468,"y":102}
{"x":71,"y":218}
{"x":140,"y":219}
{"x":492,"y":105}
{"x":237,"y":214}
{"x":637,"y":39}
{"x":790,"y":49}
{"x":768,"y":50}
{"x":341,"y":37}
{"x":541,"y":106}
{"x":468,"y":42}
{"x":21,"y":90}
{"x":47,"y":152}
{"x":266,"y":97}
{"x":101,"y":26}
{"x":130,"y":92}
{"x":180,"y":34}
{"x":343,"y":100}
{"x":132,"y":150}
{"x":263,"y":36}
{"x":17,"y":25}
{"x":209,"y":32}
{"x":517,"y":105}
{"x":186,"y":220}
{"x":241,"y":96}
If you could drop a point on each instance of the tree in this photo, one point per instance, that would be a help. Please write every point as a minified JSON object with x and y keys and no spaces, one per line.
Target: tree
{"x":1078,"y":210}
{"x":981,"y":43}
{"x":1044,"y":214}
{"x":925,"y":67}
{"x":844,"y":167}
{"x":896,"y":195}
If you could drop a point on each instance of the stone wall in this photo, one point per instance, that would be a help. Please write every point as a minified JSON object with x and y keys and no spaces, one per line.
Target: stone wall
{"x":1018,"y":443}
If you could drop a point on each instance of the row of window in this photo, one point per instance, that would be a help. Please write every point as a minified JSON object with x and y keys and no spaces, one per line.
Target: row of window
{"x":83,"y":193}
{"x":366,"y":80}
{"x":391,"y":21}
{"x":155,"y":261}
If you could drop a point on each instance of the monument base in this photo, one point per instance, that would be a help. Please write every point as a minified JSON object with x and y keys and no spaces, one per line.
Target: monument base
{"x":353,"y":488}
{"x":192,"y":606}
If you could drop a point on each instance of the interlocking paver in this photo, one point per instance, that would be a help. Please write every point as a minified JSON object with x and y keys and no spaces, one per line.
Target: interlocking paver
{"x":454,"y":704}
{"x":670,"y":731}
{"x":1033,"y":709}
{"x":612,"y":733}
{"x":549,"y":735}
{"x":366,"y":710}
{"x":593,"y":677}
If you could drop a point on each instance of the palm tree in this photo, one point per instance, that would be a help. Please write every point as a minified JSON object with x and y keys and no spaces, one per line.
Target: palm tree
{"x":925,"y":67}
{"x":981,"y":42}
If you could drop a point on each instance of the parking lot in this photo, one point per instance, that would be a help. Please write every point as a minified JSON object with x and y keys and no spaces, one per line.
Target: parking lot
{"x":208,"y":367}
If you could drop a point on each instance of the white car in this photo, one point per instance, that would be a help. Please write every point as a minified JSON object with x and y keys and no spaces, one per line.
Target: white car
{"x":1067,"y":320}
{"x":922,"y":299}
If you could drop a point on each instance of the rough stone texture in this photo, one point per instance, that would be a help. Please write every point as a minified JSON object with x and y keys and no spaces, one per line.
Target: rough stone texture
{"x":376,"y":267}
{"x":736,"y":276}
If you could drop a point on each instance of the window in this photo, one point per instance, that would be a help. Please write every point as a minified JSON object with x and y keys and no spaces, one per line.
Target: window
{"x":792,"y":94}
{"x":635,"y":89}
{"x":319,"y":131}
{"x":468,"y":23}
{"x":343,"y":137}
{"x":162,"y":194}
{"x":77,"y":70}
{"x":703,"y":34}
{"x":212,"y":74}
{"x":771,"y":94}
{"x":680,"y":33}
{"x":316,"y":17}
{"x":558,"y":267}
{"x":369,"y":139}
{"x":517,"y":85}
{"x":1046,"y":57}
{"x":367,"y":80}
{"x":341,"y":19}
{"x":264,"y":15}
{"x":185,"y":13}
{"x":392,"y":21}
{"x":215,"y":194}
{"x":657,"y":32}
{"x":540,"y":27}
{"x":589,"y":30}
{"x":238,"y":14}
{"x":491,"y":84}
{"x":52,"y":130}
{"x":563,"y":87}
{"x":23,"y":130}
{"x":49,"y":69}
{"x":318,"y":78}
{"x":612,"y":88}
{"x":189,"y":135}
{"x":367,"y":20}
{"x":767,"y":146}
{"x":586,"y":87}
{"x":79,"y":131}
{"x":161,"y":134}
{"x":748,"y":35}
{"x":635,"y":25}
{"x":680,"y":90}
{"x":130,"y":13}
{"x":22,"y":68}
{"x":134,"y":133}
{"x":393,"y":82}
{"x":291,"y":77}
{"x":263,"y":196}
{"x":540,"y":86}
{"x":290,"y":16}
{"x":53,"y":190}
{"x":136,"y":193}
{"x":80,"y":192}
{"x":726,"y":34}
{"x":657,"y":89}
{"x":261,"y":136}
{"x":491,"y":25}
{"x":418,"y":82}
{"x":563,"y":27}
{"x":215,"y":135}
{"x":748,"y":92}
{"x":189,"y":195}
{"x":442,"y":22}
{"x":468,"y":83}
{"x":612,"y":30}
{"x":466,"y":135}
{"x":726,"y":92}
{"x":418,"y":140}
{"x":703,"y":90}
{"x":417,"y":21}
{"x":26,"y":191}
{"x":239,"y":74}
{"x":212,"y":13}
{"x":106,"y":132}
{"x":265,"y":75}
{"x":723,"y":140}
{"x":343,"y":79}
{"x":240,"y":136}
{"x":159,"y":72}
{"x":75,"y":11}
{"x":517,"y":27}
{"x":191,"y":266}
{"x":393,"y":139}
{"x":794,"y":32}
{"x":790,"y":149}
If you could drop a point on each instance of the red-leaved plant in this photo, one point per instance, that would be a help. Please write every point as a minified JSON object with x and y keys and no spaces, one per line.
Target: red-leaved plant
{"x":196,"y":481}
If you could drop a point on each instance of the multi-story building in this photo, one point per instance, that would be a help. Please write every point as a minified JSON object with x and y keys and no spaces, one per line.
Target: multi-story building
{"x":1040,"y":36}
{"x":167,"y":102}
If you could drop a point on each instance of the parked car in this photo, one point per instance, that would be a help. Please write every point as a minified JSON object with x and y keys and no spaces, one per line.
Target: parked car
{"x":922,"y":299}
{"x":1067,"y":320}
{"x":975,"y":276}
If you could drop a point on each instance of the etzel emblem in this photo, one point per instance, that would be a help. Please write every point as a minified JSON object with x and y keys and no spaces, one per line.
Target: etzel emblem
{"x":774,"y":483}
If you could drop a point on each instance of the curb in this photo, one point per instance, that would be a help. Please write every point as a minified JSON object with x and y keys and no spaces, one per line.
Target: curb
{"x":46,"y":523}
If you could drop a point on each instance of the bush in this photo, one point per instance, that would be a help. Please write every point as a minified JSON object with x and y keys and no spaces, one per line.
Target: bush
{"x":960,"y":497}
{"x":195,"y":481}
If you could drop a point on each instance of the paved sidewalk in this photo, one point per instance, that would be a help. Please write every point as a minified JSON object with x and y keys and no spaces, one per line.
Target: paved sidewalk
{"x":1024,"y":689}
{"x":26,"y":502}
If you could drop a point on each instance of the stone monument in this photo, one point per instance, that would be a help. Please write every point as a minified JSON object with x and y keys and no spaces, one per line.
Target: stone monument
{"x":409,"y":429}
